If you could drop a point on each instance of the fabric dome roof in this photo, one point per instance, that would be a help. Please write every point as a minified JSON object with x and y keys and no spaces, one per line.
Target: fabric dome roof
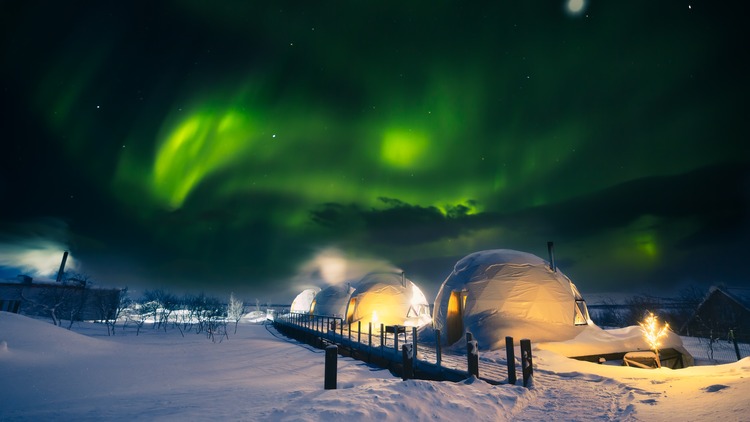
{"x":303,"y":301}
{"x":389,"y":299}
{"x":503,"y":292}
{"x":332,"y":300}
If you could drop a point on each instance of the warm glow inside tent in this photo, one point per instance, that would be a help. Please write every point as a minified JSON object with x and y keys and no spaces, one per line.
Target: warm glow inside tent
{"x":388,"y":299}
{"x":332,"y":301}
{"x":499,"y":293}
{"x":303,"y":301}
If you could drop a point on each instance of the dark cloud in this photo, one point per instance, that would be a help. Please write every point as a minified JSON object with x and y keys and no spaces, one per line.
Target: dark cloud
{"x":717,"y":196}
{"x":396,"y":223}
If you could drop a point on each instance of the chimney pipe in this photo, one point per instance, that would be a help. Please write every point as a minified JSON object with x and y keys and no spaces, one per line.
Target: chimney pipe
{"x":62,"y":267}
{"x":551,"y":251}
{"x":403,"y":279}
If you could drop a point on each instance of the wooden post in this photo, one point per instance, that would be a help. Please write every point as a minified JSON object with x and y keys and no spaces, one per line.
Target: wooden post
{"x":736,"y":346}
{"x":359,"y":332}
{"x":330,"y":367}
{"x":438,"y":350}
{"x":472,"y":355}
{"x":369,"y":340}
{"x":511,"y":354}
{"x":527,"y":364}
{"x":382,"y":338}
{"x":407,"y":358}
{"x":308,"y":331}
{"x":414,"y":342}
{"x":395,"y":338}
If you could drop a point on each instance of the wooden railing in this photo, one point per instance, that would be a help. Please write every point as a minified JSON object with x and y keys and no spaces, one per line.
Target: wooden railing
{"x":379,"y":344}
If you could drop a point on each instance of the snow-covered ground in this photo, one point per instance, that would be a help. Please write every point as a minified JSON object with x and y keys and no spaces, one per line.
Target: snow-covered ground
{"x":50,"y":373}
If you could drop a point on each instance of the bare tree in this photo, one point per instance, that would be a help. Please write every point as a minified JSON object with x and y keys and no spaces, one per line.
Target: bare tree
{"x":211,"y":317}
{"x":166,"y":304}
{"x":80,"y":284}
{"x":75,"y":278}
{"x":56,"y":301}
{"x":197,"y":309}
{"x":610,"y":314}
{"x":109,"y":307}
{"x":235,"y":310}
{"x":205,"y":313}
{"x":638,"y":308}
{"x":139,"y":312}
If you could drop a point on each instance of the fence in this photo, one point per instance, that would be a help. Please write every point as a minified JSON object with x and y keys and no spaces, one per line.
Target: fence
{"x":717,"y":348}
{"x":383,"y":345}
{"x":375,"y":341}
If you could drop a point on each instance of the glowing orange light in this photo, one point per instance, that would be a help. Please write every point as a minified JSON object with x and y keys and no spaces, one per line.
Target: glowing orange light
{"x":653,"y":333}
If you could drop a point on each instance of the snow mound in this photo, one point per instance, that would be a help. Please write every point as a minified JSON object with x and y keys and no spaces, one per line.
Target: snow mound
{"x":594,"y":340}
{"x":23,"y":335}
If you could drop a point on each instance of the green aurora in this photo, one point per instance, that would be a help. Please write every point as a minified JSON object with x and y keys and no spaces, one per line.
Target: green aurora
{"x":223,"y":146}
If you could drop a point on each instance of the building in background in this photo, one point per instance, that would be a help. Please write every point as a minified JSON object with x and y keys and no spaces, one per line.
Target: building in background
{"x":71,"y":300}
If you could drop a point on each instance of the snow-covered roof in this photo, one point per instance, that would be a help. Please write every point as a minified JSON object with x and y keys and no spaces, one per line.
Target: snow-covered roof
{"x":738,"y":294}
{"x":593,"y":340}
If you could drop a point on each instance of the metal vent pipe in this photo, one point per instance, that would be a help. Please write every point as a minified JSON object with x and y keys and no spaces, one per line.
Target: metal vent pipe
{"x":551,"y":250}
{"x":62,"y":267}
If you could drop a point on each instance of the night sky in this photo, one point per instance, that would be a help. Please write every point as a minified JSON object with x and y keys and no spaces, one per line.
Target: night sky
{"x":255,"y":146}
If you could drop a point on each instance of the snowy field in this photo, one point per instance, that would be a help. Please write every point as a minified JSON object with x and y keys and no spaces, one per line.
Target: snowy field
{"x":50,"y":373}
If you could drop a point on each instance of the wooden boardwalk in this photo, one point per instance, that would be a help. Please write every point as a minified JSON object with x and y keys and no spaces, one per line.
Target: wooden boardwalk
{"x":385,"y":350}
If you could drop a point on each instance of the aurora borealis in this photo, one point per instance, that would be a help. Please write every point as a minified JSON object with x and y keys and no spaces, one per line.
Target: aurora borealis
{"x":225,"y":145}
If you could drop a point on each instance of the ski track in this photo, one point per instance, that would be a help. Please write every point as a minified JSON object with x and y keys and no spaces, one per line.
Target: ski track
{"x":596,"y":398}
